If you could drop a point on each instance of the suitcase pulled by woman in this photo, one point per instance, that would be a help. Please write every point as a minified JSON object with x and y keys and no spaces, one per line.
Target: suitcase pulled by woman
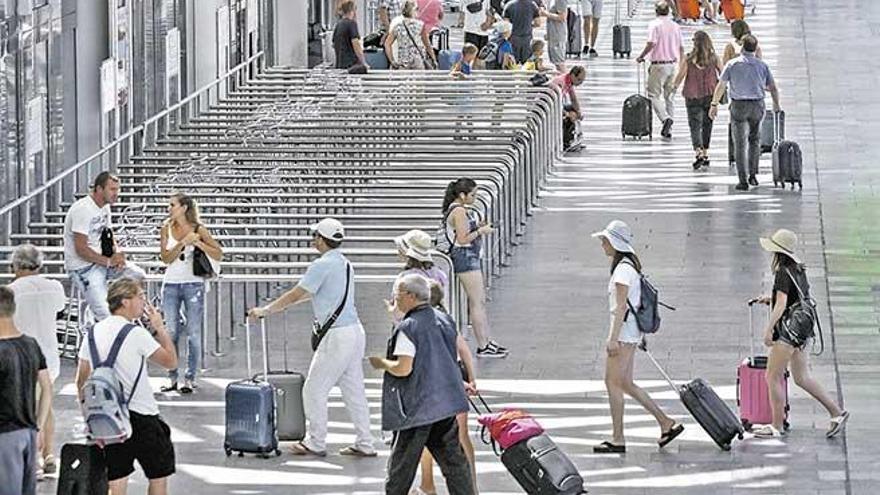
{"x":706,"y":407}
{"x":752,"y":393}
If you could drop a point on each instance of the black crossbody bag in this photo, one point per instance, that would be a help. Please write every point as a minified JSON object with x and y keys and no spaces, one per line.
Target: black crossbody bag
{"x":318,"y":330}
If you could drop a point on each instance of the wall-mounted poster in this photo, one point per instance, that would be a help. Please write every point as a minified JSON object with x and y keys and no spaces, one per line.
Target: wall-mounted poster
{"x":108,"y":85}
{"x":35,"y":132}
{"x":122,"y":56}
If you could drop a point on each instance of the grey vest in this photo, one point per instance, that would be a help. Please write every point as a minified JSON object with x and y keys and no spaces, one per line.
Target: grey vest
{"x":433,"y":390}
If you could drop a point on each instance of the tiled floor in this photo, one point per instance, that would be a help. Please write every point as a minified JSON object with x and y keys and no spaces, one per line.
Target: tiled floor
{"x":698,"y":240}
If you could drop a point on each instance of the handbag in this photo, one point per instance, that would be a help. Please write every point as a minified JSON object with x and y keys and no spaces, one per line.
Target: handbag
{"x":800,"y":318}
{"x":318,"y":330}
{"x":428,"y":61}
{"x":201,"y":264}
{"x":475,"y":6}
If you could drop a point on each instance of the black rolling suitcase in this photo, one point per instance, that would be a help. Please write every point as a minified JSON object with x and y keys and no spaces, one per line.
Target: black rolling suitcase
{"x":712,"y":413}
{"x":537,"y":464}
{"x":621,"y":40}
{"x":575,"y":42}
{"x":83,"y":470}
{"x":638,"y":115}
{"x":541,"y":468}
{"x":787,"y":160}
{"x":250,"y":409}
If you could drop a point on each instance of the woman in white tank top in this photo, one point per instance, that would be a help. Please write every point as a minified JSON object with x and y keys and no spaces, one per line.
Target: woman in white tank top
{"x":181,"y":234}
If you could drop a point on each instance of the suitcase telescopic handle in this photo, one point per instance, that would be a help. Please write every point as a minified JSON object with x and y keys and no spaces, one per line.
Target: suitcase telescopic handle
{"x":644,"y":346}
{"x":247,"y":340}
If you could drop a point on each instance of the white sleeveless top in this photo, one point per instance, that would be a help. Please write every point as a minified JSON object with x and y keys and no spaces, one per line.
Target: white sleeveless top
{"x":180,"y":272}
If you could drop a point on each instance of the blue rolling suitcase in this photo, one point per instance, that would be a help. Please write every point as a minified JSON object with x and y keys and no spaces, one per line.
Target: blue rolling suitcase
{"x":447,"y":58}
{"x":376,"y":59}
{"x":250,"y":409}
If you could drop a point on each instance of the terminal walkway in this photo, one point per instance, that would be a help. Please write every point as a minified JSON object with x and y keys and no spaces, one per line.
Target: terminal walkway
{"x":698,"y":240}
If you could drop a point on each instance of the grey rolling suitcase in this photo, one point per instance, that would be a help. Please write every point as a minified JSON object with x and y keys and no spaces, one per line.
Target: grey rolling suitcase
{"x":575,"y":42}
{"x":621,"y":38}
{"x":288,"y":385}
{"x":250,"y":409}
{"x":706,"y":407}
{"x":769,"y":124}
{"x":787,"y":160}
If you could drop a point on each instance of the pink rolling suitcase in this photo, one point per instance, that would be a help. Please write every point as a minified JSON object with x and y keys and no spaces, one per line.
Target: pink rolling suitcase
{"x":752,"y":395}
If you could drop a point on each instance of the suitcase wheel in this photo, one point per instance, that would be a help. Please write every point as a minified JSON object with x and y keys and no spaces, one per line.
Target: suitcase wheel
{"x":747,"y":425}
{"x":277,"y":452}
{"x":725,"y":447}
{"x":740,"y":436}
{"x":228,"y":452}
{"x":241,"y":453}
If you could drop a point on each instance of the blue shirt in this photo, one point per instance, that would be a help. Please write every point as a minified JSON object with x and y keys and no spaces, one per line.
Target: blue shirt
{"x":748,"y":77}
{"x":325,"y":281}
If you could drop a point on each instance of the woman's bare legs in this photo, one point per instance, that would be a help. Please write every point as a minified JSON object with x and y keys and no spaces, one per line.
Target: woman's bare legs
{"x":777,"y":362}
{"x":800,"y":372}
{"x":476,"y":294}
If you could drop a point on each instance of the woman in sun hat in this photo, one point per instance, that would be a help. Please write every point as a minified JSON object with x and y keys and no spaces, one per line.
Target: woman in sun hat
{"x":414,"y":248}
{"x":624,"y":337}
{"x":787,"y":343}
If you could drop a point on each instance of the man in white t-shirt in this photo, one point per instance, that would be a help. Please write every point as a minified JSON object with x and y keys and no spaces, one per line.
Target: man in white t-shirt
{"x":38,"y":301}
{"x":477,"y":25}
{"x":90,"y":266}
{"x":150,"y":442}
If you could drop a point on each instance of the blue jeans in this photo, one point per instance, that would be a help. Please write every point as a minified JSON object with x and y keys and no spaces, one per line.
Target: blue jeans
{"x":191,"y":296}
{"x":18,"y":462}
{"x":92,"y":284}
{"x":465,"y":259}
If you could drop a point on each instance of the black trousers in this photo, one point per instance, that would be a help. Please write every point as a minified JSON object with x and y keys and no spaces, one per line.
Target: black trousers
{"x":441,"y":439}
{"x":476,"y":39}
{"x":699,"y":121}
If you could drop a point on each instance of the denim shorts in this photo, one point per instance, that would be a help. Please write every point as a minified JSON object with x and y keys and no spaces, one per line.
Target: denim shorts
{"x":465,"y":259}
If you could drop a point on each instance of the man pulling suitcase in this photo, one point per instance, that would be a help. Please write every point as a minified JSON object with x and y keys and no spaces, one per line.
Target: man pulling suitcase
{"x":337,"y":339}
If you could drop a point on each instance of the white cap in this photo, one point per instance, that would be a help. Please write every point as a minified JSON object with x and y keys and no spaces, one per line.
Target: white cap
{"x":329,"y":228}
{"x":619,"y":235}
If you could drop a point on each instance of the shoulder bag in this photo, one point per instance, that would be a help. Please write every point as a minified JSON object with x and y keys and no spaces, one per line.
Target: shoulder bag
{"x":318,"y":330}
{"x":428,"y":61}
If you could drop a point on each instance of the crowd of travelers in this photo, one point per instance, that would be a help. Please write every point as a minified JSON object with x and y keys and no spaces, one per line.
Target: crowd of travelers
{"x":427,"y":367}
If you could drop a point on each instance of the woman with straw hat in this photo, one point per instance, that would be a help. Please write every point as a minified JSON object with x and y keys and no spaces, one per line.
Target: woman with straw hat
{"x":787,"y":341}
{"x":623,"y":338}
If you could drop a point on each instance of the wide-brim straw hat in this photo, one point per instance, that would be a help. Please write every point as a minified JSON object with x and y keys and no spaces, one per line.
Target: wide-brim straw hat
{"x":782,"y":241}
{"x":416,"y":244}
{"x":619,"y":235}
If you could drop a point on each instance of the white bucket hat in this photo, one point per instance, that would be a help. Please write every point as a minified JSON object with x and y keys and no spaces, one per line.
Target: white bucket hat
{"x":329,"y":228}
{"x":782,"y":241}
{"x":415,"y":244}
{"x":619,"y":235}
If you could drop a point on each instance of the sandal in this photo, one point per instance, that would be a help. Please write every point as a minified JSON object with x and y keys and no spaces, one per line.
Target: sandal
{"x":169,"y":388}
{"x":356,"y":452}
{"x":837,"y":425}
{"x":300,"y":448}
{"x":609,"y":448}
{"x":50,"y":464}
{"x":670,"y":435}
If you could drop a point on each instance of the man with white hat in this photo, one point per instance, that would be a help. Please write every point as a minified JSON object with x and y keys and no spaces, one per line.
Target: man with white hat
{"x":338,"y":358}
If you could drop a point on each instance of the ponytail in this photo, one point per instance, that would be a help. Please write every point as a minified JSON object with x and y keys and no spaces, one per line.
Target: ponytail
{"x":619,"y":256}
{"x":455,"y":188}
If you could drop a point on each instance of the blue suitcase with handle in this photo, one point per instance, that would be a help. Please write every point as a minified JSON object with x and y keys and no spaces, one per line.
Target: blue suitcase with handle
{"x":447,"y":58}
{"x":250,"y":410}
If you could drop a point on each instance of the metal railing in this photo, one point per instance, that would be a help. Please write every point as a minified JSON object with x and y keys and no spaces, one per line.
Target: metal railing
{"x":18,"y":213}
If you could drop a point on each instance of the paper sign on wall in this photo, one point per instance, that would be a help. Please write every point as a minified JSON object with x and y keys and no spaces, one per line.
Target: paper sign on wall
{"x":108,"y":85}
{"x":222,"y":39}
{"x":172,"y":53}
{"x":251,"y":16}
{"x":35,"y":132}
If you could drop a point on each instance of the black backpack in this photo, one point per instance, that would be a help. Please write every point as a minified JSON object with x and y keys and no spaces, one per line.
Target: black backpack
{"x":648,"y":313}
{"x":489,"y":54}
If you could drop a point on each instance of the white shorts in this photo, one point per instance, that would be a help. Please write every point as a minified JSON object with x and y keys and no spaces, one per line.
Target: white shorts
{"x":591,"y":8}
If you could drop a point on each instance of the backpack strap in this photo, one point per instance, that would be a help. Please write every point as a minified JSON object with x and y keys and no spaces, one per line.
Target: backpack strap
{"x":114,"y":353}
{"x":446,"y":225}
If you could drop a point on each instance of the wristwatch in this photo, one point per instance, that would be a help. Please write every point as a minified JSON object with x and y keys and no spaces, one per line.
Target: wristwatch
{"x":714,"y":103}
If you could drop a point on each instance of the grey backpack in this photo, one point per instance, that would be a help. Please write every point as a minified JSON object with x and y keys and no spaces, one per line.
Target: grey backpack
{"x":647,"y":314}
{"x":104,"y":405}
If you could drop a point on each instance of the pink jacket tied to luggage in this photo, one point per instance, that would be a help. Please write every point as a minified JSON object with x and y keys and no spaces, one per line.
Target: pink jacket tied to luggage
{"x":510,"y":426}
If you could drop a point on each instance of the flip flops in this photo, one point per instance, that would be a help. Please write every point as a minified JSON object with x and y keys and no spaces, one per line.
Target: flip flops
{"x":300,"y":448}
{"x":670,"y":435}
{"x":356,"y":452}
{"x":837,"y":425}
{"x":609,"y":448}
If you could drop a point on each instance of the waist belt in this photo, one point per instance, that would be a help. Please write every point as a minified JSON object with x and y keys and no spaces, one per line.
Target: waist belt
{"x":662,"y":62}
